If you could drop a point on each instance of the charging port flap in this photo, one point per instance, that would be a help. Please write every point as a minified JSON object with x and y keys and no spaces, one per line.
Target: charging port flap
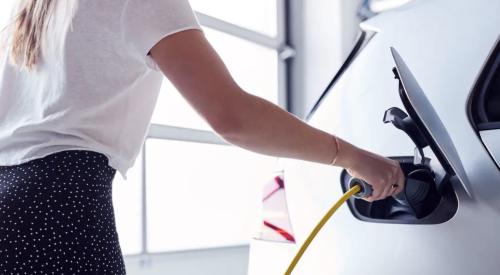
{"x":422,"y":113}
{"x":428,"y":197}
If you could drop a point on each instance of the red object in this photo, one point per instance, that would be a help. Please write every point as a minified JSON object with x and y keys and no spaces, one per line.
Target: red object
{"x":280,"y":231}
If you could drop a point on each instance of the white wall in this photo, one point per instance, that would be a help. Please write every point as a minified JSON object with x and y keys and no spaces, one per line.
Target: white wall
{"x":328,"y":31}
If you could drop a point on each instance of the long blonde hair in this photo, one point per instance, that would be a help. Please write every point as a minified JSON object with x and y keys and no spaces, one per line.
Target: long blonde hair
{"x":29,"y":27}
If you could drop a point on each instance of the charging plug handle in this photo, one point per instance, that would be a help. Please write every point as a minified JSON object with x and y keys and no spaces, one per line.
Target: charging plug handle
{"x":366,"y":189}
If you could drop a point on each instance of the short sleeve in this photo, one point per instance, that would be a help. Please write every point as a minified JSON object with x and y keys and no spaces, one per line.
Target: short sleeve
{"x":146,"y":22}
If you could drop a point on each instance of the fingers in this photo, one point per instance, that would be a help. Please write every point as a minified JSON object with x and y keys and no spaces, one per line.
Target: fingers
{"x":376,"y":195}
{"x":389,"y":189}
{"x":401,"y":183}
{"x":380,"y":192}
{"x":398,"y":182}
{"x":392,"y":185}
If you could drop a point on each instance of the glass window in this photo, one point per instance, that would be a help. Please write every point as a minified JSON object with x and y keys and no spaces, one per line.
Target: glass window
{"x":127,"y":201}
{"x":254,"y":67}
{"x":202,"y":195}
{"x":258,"y":15}
{"x":485,"y":99}
{"x":173,"y":110}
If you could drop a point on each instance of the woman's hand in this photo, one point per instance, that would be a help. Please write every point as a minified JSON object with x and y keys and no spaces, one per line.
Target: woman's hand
{"x":383,"y":174}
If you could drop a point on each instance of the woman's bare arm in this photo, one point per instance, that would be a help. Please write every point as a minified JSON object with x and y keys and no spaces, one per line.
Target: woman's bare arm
{"x":239,"y":117}
{"x":247,"y":121}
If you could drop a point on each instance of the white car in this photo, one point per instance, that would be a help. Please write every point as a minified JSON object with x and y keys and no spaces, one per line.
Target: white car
{"x":432,"y":69}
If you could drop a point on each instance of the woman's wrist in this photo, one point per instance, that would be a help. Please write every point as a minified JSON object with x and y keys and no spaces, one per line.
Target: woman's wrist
{"x":345,"y":154}
{"x":336,"y":151}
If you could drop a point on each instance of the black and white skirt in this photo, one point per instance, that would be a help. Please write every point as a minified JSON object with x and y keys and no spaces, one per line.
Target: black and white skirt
{"x":56,"y":216}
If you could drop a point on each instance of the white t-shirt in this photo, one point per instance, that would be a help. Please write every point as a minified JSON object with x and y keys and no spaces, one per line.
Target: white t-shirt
{"x":96,"y":86}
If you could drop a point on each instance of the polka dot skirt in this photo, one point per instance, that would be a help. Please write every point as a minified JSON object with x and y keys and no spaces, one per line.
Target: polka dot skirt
{"x":56,"y":216}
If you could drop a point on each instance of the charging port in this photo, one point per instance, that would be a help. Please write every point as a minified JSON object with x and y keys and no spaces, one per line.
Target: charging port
{"x":427,"y":205}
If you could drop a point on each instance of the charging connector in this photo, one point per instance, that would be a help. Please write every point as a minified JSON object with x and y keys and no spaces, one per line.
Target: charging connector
{"x":366,"y":189}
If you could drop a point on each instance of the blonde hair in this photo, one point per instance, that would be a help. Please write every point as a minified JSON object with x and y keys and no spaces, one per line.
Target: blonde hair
{"x":29,"y":27}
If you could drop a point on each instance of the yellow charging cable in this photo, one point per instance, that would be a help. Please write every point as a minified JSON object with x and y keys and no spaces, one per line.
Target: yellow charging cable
{"x":355,"y":189}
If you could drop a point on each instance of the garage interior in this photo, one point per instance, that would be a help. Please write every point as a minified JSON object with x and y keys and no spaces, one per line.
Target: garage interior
{"x":209,"y":214}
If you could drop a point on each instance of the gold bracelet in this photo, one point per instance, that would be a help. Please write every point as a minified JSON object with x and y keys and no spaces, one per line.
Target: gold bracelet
{"x":337,"y":152}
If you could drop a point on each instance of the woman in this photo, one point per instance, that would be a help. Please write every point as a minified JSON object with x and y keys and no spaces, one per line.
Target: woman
{"x":78,"y":83}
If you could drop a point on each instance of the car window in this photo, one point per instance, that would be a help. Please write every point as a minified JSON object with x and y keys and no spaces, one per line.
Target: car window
{"x":484,"y":105}
{"x":485,"y":97}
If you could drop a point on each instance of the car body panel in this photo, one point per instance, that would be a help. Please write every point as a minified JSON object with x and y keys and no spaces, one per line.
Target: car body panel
{"x":491,"y":139}
{"x":445,"y":44}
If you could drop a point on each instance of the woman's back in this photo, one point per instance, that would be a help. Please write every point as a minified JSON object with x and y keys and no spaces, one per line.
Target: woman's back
{"x":94,"y":87}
